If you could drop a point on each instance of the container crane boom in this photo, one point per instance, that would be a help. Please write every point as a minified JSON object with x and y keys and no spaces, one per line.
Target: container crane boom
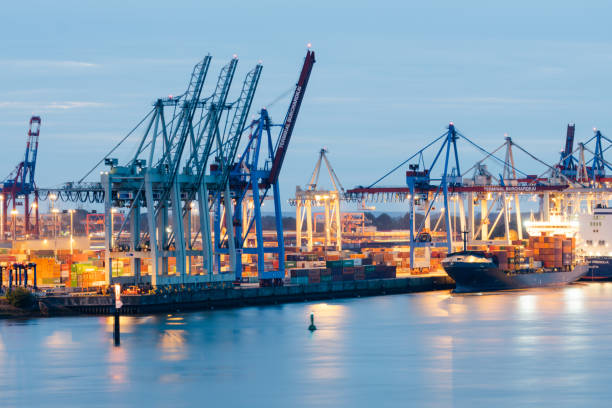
{"x":568,"y":160}
{"x":292,"y":113}
{"x":238,"y":122}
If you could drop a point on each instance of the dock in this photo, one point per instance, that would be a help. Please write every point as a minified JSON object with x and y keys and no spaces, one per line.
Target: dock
{"x":242,"y":296}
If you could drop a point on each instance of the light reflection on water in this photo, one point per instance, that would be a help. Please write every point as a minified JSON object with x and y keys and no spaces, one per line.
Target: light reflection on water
{"x":520,"y":348}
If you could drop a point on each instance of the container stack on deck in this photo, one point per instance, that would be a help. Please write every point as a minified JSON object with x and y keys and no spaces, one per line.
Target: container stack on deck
{"x":554,"y":252}
{"x":537,"y":252}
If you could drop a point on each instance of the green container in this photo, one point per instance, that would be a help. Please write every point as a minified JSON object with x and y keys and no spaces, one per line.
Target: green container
{"x":348,"y":262}
{"x":302,"y":280}
{"x":290,"y":264}
{"x":369,"y":268}
{"x":332,"y":264}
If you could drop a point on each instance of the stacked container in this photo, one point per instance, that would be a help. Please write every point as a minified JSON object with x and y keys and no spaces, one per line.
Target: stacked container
{"x":553,"y":252}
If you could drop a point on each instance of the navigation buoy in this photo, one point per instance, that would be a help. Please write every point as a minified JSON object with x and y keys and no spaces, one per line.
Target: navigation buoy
{"x":312,"y":327}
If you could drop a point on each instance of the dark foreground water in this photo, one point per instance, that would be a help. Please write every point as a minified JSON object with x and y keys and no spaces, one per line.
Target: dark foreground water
{"x":527,"y":348}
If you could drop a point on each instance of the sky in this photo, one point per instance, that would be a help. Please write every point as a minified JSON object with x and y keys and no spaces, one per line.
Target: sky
{"x":389,"y":76}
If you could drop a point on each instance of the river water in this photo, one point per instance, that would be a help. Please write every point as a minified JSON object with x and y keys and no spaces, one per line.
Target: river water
{"x":529,"y":348}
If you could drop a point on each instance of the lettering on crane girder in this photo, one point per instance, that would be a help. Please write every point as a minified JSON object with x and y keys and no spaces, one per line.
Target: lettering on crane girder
{"x":507,"y":189}
{"x":296,"y":96}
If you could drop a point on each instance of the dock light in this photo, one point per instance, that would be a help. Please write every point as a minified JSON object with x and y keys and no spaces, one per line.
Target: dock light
{"x":52,"y":196}
{"x":118,"y":296}
{"x":34,"y":205}
{"x":55,"y":210}
{"x":192,"y":204}
{"x":14,"y":212}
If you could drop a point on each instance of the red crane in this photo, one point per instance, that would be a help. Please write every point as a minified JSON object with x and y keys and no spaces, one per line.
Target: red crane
{"x":292,"y":113}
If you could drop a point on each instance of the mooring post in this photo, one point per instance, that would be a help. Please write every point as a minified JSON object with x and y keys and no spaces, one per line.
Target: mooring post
{"x":118,"y":304}
{"x":116,"y":334}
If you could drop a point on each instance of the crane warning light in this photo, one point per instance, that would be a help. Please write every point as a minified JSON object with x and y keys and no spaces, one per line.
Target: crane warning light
{"x":309,"y":45}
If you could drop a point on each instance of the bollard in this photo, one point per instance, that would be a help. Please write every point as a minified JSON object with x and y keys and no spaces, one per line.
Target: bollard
{"x":19,"y":275}
{"x":118,"y":304}
{"x":25,"y":277}
{"x":35,"y":285}
{"x":117,"y":330}
{"x":10,"y":279}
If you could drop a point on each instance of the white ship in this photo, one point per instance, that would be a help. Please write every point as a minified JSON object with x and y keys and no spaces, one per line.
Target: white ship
{"x":595,"y":239}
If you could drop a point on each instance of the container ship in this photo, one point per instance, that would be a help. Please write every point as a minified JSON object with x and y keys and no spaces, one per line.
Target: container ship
{"x":539,"y":262}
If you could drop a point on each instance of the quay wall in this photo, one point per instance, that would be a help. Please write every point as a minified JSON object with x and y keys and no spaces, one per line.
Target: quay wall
{"x":239,"y":297}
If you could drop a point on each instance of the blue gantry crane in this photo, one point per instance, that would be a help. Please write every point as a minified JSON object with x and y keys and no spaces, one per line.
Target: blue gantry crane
{"x":186,"y":163}
{"x":20,"y":184}
{"x":580,"y":169}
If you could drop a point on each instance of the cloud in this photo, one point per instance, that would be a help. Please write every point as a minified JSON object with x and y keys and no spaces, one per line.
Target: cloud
{"x":73,"y":105}
{"x":337,"y":99}
{"x":492,"y":100}
{"x":26,"y":63}
{"x":52,"y":105}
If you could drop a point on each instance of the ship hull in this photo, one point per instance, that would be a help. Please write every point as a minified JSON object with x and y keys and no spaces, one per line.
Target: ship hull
{"x":600,"y":268}
{"x":470,"y":277}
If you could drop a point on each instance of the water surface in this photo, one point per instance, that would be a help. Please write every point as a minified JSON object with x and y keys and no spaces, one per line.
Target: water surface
{"x":538,"y":347}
